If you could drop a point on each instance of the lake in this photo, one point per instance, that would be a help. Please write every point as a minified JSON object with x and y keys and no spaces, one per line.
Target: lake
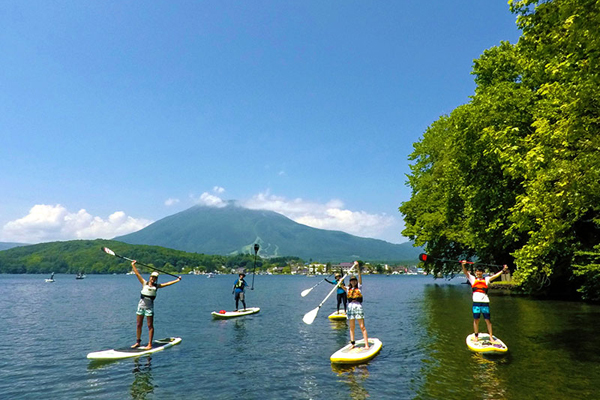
{"x":554,"y":349}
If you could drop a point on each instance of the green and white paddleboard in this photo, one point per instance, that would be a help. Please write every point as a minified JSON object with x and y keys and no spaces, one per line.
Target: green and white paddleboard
{"x":128,"y":352}
{"x":233,"y":314}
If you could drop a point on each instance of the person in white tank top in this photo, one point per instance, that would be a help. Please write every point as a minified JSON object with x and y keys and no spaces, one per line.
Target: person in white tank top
{"x":146,"y":304}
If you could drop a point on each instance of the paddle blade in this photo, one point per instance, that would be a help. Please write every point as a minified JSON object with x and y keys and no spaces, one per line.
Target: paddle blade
{"x":310,"y":316}
{"x":305,"y":292}
{"x":108,"y":251}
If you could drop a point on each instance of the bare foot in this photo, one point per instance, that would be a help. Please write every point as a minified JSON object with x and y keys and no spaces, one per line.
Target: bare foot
{"x":475,"y":339}
{"x":137,"y":344}
{"x":148,"y":347}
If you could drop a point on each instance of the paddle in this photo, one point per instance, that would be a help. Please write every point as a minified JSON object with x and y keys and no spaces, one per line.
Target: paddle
{"x":112,"y":253}
{"x":256,"y":247}
{"x":310,"y":316}
{"x":424,"y":257}
{"x":307,"y":291}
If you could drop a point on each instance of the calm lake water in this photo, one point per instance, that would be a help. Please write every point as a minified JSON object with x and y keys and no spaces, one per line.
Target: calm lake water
{"x":554,"y":347}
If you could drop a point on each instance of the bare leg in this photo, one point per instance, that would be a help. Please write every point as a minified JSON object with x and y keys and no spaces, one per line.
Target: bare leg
{"x":476,"y":327}
{"x":361,"y":324}
{"x":138,"y":330}
{"x":150,"y":321}
{"x":352,"y":325}
{"x":489,"y":328}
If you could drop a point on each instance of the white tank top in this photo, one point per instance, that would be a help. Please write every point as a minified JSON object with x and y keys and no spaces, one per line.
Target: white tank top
{"x":149,"y":291}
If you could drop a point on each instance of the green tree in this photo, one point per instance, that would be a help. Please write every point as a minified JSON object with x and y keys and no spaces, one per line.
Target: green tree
{"x":516,"y":171}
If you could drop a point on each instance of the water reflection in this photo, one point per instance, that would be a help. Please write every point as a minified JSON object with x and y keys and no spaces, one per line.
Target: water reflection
{"x":142,"y":384}
{"x":355,"y":377}
{"x":487,"y":376}
{"x":240,"y":335}
{"x":338,"y":324}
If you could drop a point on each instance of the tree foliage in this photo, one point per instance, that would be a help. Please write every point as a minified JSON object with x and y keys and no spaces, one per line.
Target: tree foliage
{"x":514,"y":175}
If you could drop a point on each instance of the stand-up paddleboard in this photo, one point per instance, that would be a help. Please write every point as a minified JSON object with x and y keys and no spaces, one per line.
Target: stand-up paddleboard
{"x":483,"y":344}
{"x":233,"y":314}
{"x":128,"y":352}
{"x":338,"y":316}
{"x":358,"y":354}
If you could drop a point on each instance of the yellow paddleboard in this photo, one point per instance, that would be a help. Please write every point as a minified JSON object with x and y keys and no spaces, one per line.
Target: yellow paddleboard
{"x":338,"y":316}
{"x":484,"y":345}
{"x":358,"y":354}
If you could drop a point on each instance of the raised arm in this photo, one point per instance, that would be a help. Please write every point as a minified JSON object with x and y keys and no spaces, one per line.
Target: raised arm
{"x":359,"y":274}
{"x":137,"y":273}
{"x":497,"y":274}
{"x":171,"y":282}
{"x":465,"y":270}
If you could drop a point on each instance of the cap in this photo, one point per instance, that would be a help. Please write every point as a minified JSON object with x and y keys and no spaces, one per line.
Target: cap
{"x":243,"y":274}
{"x":154,"y":273}
{"x":353,"y":278}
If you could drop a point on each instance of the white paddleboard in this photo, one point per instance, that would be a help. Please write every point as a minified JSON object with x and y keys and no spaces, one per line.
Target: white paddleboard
{"x":338,"y":316}
{"x":357,"y":354}
{"x":483,"y":344}
{"x":233,"y":314}
{"x":128,"y":352}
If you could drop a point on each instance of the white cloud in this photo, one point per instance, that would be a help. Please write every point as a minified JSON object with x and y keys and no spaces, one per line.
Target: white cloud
{"x":171,"y":201}
{"x":207,"y":199}
{"x":218,"y":189}
{"x":46,"y":223}
{"x":331,"y":215}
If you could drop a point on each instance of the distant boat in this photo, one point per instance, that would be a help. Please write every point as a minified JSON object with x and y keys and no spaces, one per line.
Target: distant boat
{"x":80,"y":275}
{"x":210,"y":275}
{"x":130,"y":273}
{"x":51,"y":278}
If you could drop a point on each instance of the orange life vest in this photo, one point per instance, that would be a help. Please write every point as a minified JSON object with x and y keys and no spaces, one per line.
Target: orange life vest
{"x":355,"y":295}
{"x":480,"y":285}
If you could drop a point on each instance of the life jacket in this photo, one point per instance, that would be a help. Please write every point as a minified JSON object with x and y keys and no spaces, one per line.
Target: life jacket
{"x":240,"y":284}
{"x":149,"y":292}
{"x":480,"y":285}
{"x":355,"y":295}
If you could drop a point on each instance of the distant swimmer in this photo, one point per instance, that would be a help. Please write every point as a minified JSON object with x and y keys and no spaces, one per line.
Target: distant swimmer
{"x":146,"y":304}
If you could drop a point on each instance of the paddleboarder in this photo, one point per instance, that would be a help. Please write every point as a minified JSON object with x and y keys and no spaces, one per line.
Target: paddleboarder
{"x":238,"y":291}
{"x":341,"y":292}
{"x":146,"y":304}
{"x":355,"y":309}
{"x":481,"y":301}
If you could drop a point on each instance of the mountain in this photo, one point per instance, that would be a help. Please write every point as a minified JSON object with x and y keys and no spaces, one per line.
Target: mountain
{"x":233,"y":230}
{"x":8,"y":245}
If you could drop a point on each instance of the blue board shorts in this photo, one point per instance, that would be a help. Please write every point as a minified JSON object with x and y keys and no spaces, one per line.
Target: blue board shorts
{"x":145,"y":308}
{"x":481,"y":308}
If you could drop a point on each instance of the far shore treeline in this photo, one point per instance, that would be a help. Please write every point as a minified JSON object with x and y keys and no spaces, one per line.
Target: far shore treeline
{"x":76,"y":256}
{"x":513,"y":176}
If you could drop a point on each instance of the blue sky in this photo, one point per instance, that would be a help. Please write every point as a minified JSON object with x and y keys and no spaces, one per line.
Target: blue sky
{"x":115,"y":114}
